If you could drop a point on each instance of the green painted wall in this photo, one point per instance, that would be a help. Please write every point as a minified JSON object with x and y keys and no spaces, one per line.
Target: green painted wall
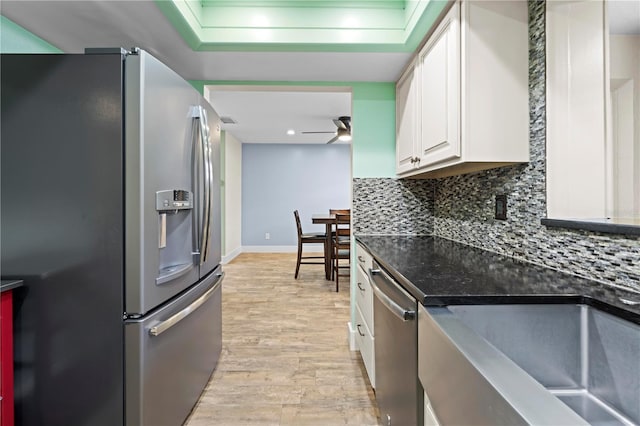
{"x":373,"y":117}
{"x":374,"y":132}
{"x":15,"y":39}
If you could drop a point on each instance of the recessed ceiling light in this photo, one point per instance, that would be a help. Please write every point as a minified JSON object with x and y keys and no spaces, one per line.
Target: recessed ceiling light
{"x":291,"y":132}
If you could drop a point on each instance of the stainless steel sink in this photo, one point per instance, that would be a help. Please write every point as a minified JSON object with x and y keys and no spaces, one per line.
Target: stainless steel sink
{"x":529,"y":364}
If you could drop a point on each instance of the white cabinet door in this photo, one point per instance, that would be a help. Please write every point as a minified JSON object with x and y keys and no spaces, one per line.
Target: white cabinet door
{"x":439,"y":67}
{"x":406,"y":121}
{"x":366,"y":344}
{"x":363,"y":324}
{"x":364,"y":258}
{"x":364,"y":298}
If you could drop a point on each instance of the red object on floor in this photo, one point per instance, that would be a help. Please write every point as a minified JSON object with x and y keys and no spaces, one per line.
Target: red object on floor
{"x":6,"y":358}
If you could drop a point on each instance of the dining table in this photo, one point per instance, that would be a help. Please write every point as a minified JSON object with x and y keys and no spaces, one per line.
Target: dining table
{"x":328,"y":220}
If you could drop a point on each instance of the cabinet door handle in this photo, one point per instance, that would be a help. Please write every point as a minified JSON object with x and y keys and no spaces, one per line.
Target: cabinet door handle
{"x":361,"y":259}
{"x":360,"y":287}
{"x":359,"y":332}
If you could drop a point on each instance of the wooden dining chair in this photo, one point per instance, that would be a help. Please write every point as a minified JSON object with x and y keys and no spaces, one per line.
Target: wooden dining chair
{"x":330,"y":248}
{"x":341,"y":244}
{"x":309,"y":238}
{"x":339,"y":211}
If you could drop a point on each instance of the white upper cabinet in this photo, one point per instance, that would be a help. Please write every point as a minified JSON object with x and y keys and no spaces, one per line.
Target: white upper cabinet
{"x":465,"y":96}
{"x":575,"y":59}
{"x":406,"y":121}
{"x":439,"y":106}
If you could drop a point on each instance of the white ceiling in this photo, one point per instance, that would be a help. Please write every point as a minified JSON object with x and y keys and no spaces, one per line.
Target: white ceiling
{"x":262,"y":116}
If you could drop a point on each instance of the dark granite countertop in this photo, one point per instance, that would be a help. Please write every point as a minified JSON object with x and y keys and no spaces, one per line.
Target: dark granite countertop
{"x":6,"y":285}
{"x":620,"y":226}
{"x":440,"y":272}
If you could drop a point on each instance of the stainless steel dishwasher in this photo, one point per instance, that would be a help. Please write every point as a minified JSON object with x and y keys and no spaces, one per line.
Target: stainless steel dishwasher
{"x":398,"y":391}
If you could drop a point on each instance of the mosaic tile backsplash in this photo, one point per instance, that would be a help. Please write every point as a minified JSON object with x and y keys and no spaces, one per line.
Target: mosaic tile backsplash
{"x":385,"y":206}
{"x":461,"y":208}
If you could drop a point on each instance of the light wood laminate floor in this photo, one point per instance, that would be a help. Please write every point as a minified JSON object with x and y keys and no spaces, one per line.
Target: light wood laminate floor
{"x":285,"y":354}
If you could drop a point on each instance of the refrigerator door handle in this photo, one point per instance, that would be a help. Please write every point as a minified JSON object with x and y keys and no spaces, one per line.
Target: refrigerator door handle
{"x":195,"y":180}
{"x":175,"y":319}
{"x":202,"y":215}
{"x":208,"y":184}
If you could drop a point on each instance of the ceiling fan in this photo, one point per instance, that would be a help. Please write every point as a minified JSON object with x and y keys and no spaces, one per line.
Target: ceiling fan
{"x":343,"y":131}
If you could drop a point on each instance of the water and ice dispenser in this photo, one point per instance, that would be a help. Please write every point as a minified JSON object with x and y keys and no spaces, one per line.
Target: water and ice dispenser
{"x":174,"y":207}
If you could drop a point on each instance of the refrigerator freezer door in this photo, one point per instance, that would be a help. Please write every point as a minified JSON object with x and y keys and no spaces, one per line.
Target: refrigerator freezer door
{"x":159,"y":144}
{"x":170,"y":355}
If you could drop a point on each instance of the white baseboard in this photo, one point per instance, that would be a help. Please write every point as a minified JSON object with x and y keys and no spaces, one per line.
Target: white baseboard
{"x":308,"y":248}
{"x":351,"y":336}
{"x":229,"y":257}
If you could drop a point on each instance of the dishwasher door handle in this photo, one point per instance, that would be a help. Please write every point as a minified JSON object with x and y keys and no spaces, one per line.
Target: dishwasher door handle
{"x":397,"y":310}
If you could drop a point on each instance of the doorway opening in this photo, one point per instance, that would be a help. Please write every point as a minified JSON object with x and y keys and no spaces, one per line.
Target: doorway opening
{"x":280,"y":153}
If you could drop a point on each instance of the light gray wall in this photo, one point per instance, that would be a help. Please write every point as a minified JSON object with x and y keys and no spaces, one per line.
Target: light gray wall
{"x":232,"y":196}
{"x":280,"y":178}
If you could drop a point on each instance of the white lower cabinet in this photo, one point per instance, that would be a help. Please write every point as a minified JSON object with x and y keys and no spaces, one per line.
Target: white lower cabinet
{"x":364,"y":339}
{"x":364,"y":258}
{"x":363,"y":300}
{"x":364,"y":297}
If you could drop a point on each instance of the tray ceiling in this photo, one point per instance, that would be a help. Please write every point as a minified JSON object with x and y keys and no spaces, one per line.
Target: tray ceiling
{"x":329,"y":26}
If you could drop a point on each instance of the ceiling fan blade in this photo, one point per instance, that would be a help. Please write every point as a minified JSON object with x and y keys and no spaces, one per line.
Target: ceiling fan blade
{"x":340,"y":124}
{"x":333,"y":140}
{"x":306,"y":133}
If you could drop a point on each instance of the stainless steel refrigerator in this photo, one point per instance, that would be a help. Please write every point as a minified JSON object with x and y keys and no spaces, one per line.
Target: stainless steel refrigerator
{"x":110,"y":213}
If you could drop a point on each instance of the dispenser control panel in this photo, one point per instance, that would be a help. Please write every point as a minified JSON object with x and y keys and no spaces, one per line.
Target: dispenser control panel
{"x":174,"y":199}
